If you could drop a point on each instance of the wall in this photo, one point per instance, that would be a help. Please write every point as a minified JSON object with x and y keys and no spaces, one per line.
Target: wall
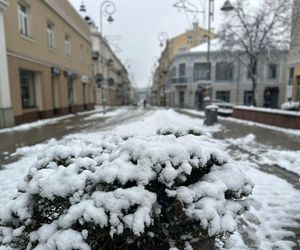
{"x":237,"y":86}
{"x":32,"y":53}
{"x":36,"y":46}
{"x":285,"y":119}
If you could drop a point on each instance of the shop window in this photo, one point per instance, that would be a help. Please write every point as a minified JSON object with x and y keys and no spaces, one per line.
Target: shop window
{"x":223,"y":96}
{"x":27,"y":88}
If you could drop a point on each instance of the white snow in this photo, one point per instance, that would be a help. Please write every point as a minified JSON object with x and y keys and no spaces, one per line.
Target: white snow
{"x":292,"y":132}
{"x":289,"y":160}
{"x":275,"y":205}
{"x":269,"y":110}
{"x":216,"y":45}
{"x":290,"y":105}
{"x":36,"y":124}
{"x":109,"y":114}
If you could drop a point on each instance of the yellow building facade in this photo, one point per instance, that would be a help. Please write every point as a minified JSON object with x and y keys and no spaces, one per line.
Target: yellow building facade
{"x":49,"y":57}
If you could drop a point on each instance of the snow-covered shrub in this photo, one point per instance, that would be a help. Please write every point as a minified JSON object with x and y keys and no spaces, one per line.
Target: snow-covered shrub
{"x":173,"y":189}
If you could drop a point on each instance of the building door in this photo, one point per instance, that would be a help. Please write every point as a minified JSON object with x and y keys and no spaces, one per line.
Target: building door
{"x":271,"y":97}
{"x":181,"y":99}
{"x":248,"y":98}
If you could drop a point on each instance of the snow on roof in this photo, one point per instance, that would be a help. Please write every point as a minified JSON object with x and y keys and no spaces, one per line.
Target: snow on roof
{"x":216,"y":45}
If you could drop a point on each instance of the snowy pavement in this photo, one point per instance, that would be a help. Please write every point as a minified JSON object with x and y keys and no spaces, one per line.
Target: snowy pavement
{"x":39,"y":131}
{"x":274,"y":219}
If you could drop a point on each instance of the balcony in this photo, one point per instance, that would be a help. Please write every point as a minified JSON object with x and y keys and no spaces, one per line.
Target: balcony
{"x":179,"y":81}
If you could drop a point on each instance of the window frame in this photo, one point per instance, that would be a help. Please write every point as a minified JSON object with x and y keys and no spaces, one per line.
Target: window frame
{"x":190,"y":40}
{"x":207,"y":76}
{"x":271,"y":77}
{"x":51,"y":35}
{"x":23,"y":19}
{"x":67,"y":45}
{"x":32,"y":103}
{"x":226,"y":93}
{"x":224,"y":71}
{"x":247,"y":94}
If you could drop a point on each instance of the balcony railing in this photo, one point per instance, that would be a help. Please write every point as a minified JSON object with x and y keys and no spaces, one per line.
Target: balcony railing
{"x":179,"y":80}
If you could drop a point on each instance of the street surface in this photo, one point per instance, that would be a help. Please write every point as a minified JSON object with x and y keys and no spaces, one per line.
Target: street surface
{"x":269,"y":157}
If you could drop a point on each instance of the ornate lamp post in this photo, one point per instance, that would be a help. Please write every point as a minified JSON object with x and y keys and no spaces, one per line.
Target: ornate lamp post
{"x":227,"y":6}
{"x":107,"y":8}
{"x":163,"y":38}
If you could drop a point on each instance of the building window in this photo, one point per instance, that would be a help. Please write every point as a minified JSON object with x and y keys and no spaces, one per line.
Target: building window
{"x":248,"y":98}
{"x":272,"y":71}
{"x":182,"y":70}
{"x":67,"y":45}
{"x":292,"y":73}
{"x":50,"y":35}
{"x":182,"y":73}
{"x":27,"y":89}
{"x":189,"y":40}
{"x":223,"y":96}
{"x":224,"y":71}
{"x":201,"y":71}
{"x":23,"y":19}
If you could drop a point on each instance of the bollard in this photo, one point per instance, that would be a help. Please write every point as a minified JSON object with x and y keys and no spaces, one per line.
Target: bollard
{"x":211,"y":115}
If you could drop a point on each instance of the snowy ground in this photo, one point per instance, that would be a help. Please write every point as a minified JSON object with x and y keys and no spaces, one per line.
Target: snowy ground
{"x":275,"y":215}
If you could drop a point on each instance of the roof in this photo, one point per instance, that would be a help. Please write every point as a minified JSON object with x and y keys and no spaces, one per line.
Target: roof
{"x":215,"y":45}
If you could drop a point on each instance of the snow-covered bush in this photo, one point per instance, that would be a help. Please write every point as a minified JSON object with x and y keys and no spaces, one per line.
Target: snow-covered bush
{"x":173,"y":189}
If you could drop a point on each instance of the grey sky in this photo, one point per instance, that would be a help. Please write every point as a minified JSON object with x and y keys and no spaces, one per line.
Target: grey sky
{"x":139,"y":22}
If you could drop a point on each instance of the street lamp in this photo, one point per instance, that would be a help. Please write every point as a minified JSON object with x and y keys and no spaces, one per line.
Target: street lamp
{"x":227,"y":6}
{"x":107,"y":8}
{"x":162,"y":38}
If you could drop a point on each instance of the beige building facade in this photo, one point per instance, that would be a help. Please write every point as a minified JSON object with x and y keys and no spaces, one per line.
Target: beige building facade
{"x":111,"y":77}
{"x":49,"y":50}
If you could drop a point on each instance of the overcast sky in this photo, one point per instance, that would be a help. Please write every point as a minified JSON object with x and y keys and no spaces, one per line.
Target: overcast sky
{"x":138,"y":23}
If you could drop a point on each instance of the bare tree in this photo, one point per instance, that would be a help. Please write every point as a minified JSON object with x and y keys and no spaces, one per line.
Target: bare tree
{"x":252,"y":32}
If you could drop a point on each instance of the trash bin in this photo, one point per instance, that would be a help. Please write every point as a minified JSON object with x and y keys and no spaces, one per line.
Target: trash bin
{"x":211,"y":115}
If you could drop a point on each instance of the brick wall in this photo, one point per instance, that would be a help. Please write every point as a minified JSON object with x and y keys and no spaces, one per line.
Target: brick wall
{"x":271,"y":117}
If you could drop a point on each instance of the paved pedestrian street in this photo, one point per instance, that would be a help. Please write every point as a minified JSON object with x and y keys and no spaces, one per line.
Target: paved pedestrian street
{"x":272,"y":162}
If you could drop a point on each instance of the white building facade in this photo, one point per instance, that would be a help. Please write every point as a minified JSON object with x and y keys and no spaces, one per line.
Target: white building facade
{"x":228,"y":80}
